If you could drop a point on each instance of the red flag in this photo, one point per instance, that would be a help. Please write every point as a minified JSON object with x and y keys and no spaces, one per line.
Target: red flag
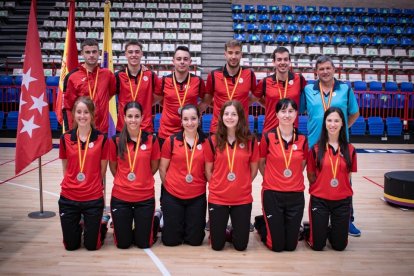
{"x":34,"y":136}
{"x":69,"y":60}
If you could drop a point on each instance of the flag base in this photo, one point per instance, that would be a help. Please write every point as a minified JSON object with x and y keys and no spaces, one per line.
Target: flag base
{"x":41,"y":215}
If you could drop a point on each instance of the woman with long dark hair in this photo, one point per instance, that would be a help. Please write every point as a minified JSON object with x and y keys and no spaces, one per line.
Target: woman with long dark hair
{"x":133,"y":160}
{"x":182,"y":172}
{"x":231,"y":167}
{"x":330,"y":165}
{"x":84,"y":154}
{"x":283,"y":153}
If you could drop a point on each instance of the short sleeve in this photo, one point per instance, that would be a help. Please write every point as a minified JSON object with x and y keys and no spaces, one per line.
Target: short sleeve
{"x":112,"y":150}
{"x":353,"y":104}
{"x":62,"y":148}
{"x":166,"y":149}
{"x":105,"y":149}
{"x":254,"y":157}
{"x":158,"y":86}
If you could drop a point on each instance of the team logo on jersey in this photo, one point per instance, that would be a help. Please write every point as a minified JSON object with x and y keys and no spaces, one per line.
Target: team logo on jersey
{"x":199,"y":147}
{"x":241,"y":80}
{"x":295,"y":147}
{"x":333,"y":94}
{"x":242,"y":145}
{"x":84,"y":79}
{"x":291,"y":82}
{"x":145,"y":78}
{"x":143,"y":147}
{"x":91,"y":144}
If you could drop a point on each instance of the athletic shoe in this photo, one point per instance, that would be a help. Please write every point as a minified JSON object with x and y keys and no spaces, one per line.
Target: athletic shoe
{"x":158,"y":214}
{"x":105,"y":219}
{"x":353,"y":231}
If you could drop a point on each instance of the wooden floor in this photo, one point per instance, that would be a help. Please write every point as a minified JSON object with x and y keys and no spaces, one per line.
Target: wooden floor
{"x":34,"y":247}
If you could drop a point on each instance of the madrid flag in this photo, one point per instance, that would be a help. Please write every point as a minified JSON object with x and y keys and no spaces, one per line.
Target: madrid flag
{"x":34,"y":136}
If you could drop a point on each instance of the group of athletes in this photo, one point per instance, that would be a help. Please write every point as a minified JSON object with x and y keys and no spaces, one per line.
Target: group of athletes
{"x":228,"y":158}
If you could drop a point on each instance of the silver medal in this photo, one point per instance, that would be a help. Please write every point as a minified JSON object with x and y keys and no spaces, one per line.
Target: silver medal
{"x":81,"y":177}
{"x":231,"y":176}
{"x":179,"y":110}
{"x":334,"y":182}
{"x":189,"y":178}
{"x":131,"y":176}
{"x":287,"y":173}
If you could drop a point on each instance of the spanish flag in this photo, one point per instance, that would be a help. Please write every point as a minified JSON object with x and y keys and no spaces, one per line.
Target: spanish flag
{"x":107,"y":62}
{"x":69,"y":60}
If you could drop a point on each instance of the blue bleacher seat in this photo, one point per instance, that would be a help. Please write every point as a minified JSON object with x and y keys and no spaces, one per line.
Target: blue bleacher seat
{"x":261,"y":8}
{"x":293,"y":28}
{"x":286,"y":9}
{"x":302,"y":18}
{"x":397,"y":101}
{"x":396,"y":11}
{"x":372,"y":11}
{"x":323,"y":9}
{"x":360,"y":10}
{"x":409,"y":30}
{"x":406,"y":41}
{"x":254,"y":38}
{"x":394,"y":126}
{"x":238,"y":27}
{"x":299,"y":9}
{"x":404,"y":20}
{"x":364,"y":40}
{"x":368,"y":100}
{"x":324,"y":39}
{"x":260,"y":123}
{"x":351,"y":40}
{"x":237,"y":17}
{"x":384,"y":11}
{"x":407,"y":87}
{"x":353,"y":19}
{"x":336,"y":10}
{"x":348,"y":10}
{"x":385,"y":30}
{"x":268,"y":38}
{"x":276,"y":18}
{"x":345,"y":29}
{"x":240,"y":37}
{"x":281,"y":38}
{"x":274,"y":9}
{"x":392,"y":40}
{"x":18,"y":80}
{"x":263,"y":18}
{"x":310,"y":9}
{"x":332,"y":28}
{"x":391,"y":20}
{"x":391,"y":86}
{"x":289,"y":18}
{"x":1,"y":119}
{"x":295,"y":38}
{"x":236,"y":8}
{"x":52,"y":80}
{"x":398,"y":30}
{"x":319,"y":28}
{"x":249,"y":8}
{"x":366,"y":19}
{"x":360,"y":86}
{"x":328,"y":19}
{"x":338,"y":39}
{"x":372,"y":29}
{"x":359,"y":127}
{"x":316,"y":18}
{"x":252,"y":27}
{"x":157,"y":119}
{"x":12,"y":120}
{"x":340,"y":19}
{"x":310,"y":39}
{"x":303,"y":124}
{"x":265,"y":27}
{"x":385,"y":101}
{"x":378,"y":40}
{"x":359,"y":29}
{"x":375,"y":86}
{"x":379,"y":20}
{"x":305,"y":28}
{"x":251,"y":17}
{"x":251,"y":123}
{"x":375,"y":126}
{"x":409,"y":11}
{"x":53,"y":120}
{"x":279,"y":27}
{"x":6,"y":80}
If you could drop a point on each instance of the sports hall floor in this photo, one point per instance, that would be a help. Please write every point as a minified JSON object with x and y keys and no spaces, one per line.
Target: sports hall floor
{"x":34,"y":247}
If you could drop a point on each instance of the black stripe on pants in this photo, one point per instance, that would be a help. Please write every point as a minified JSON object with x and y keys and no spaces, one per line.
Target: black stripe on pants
{"x":320,"y":212}
{"x":283,"y":212}
{"x":240,"y":220}
{"x":184,"y":219}
{"x":124,"y":214}
{"x":70,"y":215}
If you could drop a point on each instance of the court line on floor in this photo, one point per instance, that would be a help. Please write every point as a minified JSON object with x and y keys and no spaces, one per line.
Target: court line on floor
{"x":6,"y":162}
{"x":158,"y":263}
{"x":13,"y":177}
{"x":373,"y":182}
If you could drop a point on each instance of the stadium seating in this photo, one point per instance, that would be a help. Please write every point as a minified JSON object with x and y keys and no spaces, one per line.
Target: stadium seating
{"x":394,"y":126}
{"x":375,"y":126}
{"x":359,"y":127}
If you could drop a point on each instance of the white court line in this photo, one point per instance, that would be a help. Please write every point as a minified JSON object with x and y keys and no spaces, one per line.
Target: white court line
{"x":148,"y":251}
{"x":384,"y":169}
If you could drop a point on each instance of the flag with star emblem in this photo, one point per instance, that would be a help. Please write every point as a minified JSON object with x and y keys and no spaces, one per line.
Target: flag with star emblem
{"x":34,"y":137}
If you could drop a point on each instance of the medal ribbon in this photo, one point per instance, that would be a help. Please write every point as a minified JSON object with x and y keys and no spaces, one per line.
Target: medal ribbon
{"x":235,"y":85}
{"x":92,"y":93}
{"x":278,"y":87}
{"x":279,"y":136}
{"x":132,"y":164}
{"x":190,"y":164}
{"x":181,"y":102}
{"x":231,"y":163}
{"x":82,"y":159}
{"x":134,"y":94}
{"x":325,"y":107}
{"x":334,"y":170}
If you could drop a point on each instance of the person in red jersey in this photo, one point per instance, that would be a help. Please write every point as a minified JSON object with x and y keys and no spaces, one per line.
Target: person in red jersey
{"x":90,"y":80}
{"x":178,"y":89}
{"x":135,"y":83}
{"x":330,"y":165}
{"x":282,"y":84}
{"x":230,"y":181}
{"x":84,"y":154}
{"x":231,"y":82}
{"x":283,"y":154}
{"x":134,"y":156}
{"x":182,"y":172}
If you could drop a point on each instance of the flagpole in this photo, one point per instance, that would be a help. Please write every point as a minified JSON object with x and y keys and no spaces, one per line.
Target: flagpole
{"x":41,"y":214}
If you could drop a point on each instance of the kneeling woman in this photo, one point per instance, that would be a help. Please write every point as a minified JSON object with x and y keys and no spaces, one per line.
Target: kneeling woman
{"x":231,"y":168}
{"x":84,"y":154}
{"x":283,"y":155}
{"x":133,"y":159}
{"x":182,"y":172}
{"x":330,"y":164}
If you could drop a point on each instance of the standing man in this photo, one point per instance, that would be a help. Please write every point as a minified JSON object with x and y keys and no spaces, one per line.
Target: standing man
{"x":230,"y":82}
{"x":92,"y":81}
{"x":137,"y":84}
{"x":318,"y":97}
{"x":177,"y":89}
{"x":282,"y":84}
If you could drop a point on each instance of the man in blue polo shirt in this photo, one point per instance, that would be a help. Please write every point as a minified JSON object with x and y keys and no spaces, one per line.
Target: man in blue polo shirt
{"x":318,"y":97}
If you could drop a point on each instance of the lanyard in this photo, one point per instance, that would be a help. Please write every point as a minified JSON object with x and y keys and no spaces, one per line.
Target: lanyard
{"x":134,"y":94}
{"x":82,"y":159}
{"x":235,"y":85}
{"x":325,"y":107}
{"x":334,"y":169}
{"x":181,"y":102}
{"x":92,"y":93}
{"x":279,"y":136}
{"x":132,"y":164}
{"x":231,"y":162}
{"x":190,"y":163}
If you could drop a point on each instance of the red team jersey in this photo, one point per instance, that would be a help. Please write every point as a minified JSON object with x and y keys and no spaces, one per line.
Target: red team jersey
{"x":170,"y":119}
{"x":76,"y":85}
{"x":275,"y":163}
{"x":91,"y":188}
{"x":269,"y":89}
{"x":175,"y":182}
{"x":142,"y":188}
{"x":321,"y":187}
{"x":216,"y":87}
{"x":239,"y":191}
{"x":144,"y":96}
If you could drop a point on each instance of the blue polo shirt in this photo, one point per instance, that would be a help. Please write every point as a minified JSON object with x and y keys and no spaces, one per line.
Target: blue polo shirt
{"x":343,"y":97}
